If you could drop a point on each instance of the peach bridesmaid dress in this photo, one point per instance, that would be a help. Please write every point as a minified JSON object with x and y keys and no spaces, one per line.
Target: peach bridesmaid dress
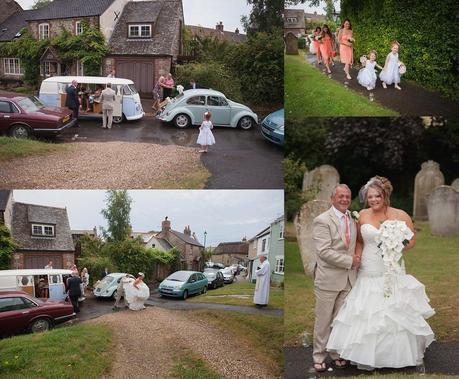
{"x":326,"y":47}
{"x":316,"y":43}
{"x":345,"y":51}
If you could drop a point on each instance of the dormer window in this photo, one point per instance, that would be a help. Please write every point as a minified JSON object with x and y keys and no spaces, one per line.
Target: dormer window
{"x":43,"y":230}
{"x":140,"y":31}
{"x":43,"y":31}
{"x":78,"y":28}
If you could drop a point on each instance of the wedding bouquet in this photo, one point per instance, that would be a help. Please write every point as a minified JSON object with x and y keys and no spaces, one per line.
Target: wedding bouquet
{"x":318,"y":38}
{"x":351,"y":40}
{"x":392,"y":237}
{"x":363,"y":60}
{"x":401,"y":68}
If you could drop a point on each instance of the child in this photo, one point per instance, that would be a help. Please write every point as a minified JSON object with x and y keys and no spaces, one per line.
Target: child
{"x":206,"y":137}
{"x":390,"y":74}
{"x":326,"y":47}
{"x":367,"y":75}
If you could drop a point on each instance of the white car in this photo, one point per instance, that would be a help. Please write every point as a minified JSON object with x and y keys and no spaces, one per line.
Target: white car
{"x":188,"y":109}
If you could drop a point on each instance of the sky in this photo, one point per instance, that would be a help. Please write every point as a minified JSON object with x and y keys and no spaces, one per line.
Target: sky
{"x":202,"y":12}
{"x":226,"y":215}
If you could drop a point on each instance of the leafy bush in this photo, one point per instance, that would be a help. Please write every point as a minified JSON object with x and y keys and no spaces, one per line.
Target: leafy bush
{"x":7,"y":247}
{"x":430,"y":54}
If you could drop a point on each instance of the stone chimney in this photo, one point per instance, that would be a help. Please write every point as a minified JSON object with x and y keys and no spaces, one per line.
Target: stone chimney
{"x":165,"y":225}
{"x":236,"y":31}
{"x":244,"y":239}
{"x":219,"y":27}
{"x":187,"y":231}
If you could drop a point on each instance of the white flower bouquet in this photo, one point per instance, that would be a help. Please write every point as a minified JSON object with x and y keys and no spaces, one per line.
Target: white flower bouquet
{"x":363,"y":60}
{"x":401,"y":68}
{"x":351,"y":40}
{"x":392,"y":237}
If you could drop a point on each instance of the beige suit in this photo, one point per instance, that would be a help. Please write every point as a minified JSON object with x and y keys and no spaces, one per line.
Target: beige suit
{"x":107,"y":99}
{"x":333,"y":275}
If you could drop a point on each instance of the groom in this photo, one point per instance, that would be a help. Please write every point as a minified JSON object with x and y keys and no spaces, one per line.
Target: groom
{"x":334,"y":236}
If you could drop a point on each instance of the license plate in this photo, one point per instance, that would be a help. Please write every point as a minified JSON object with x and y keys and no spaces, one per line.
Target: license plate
{"x":66,"y":118}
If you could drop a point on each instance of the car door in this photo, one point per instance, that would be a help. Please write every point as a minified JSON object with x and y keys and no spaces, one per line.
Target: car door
{"x":197,"y":106}
{"x":194,"y":285}
{"x":6,"y":116}
{"x":220,"y":109}
{"x":14,"y":314}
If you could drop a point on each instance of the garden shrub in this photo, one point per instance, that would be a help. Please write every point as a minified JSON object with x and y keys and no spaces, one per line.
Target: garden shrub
{"x":427,"y":32}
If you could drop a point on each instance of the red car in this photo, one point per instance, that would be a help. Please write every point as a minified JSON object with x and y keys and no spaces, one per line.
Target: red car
{"x":23,"y":116}
{"x":21,"y":312}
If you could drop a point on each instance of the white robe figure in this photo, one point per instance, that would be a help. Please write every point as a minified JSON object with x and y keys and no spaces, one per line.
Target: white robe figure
{"x":136,"y":297}
{"x":263,"y":273}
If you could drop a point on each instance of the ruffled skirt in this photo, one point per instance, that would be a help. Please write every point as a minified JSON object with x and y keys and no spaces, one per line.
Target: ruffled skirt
{"x":136,"y":297}
{"x":367,"y":78}
{"x":374,"y":331}
{"x":206,"y":138}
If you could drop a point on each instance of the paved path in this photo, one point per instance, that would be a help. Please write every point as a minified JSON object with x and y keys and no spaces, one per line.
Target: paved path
{"x":440,"y":358}
{"x":412,"y":100}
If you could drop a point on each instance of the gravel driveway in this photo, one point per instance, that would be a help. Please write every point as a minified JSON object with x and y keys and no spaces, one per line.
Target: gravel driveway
{"x":95,"y":165}
{"x":147,"y":342}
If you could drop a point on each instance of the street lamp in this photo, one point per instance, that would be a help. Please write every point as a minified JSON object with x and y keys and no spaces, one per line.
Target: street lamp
{"x":205,"y":237}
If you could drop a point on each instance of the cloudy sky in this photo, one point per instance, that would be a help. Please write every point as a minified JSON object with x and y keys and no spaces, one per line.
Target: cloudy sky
{"x":225,"y":215}
{"x":202,"y":12}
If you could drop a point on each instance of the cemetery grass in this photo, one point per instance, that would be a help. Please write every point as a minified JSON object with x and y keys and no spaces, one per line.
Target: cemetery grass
{"x":310,"y":93}
{"x":82,"y":351}
{"x":189,"y":366}
{"x":239,"y":293}
{"x":433,"y":261}
{"x":263,"y":335}
{"x":11,"y":148}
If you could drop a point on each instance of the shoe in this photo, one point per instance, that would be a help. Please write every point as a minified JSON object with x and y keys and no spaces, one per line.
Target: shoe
{"x":369,"y":88}
{"x":384,"y":85}
{"x":397,"y":87}
{"x":348,"y":77}
{"x":320,"y":367}
{"x":340,"y":363}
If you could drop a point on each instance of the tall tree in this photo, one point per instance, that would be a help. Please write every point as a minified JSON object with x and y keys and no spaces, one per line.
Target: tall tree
{"x":41,"y":4}
{"x":265,"y":16}
{"x":117,"y":215}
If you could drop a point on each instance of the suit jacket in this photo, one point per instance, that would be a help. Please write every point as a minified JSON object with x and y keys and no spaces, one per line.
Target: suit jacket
{"x":72,"y":100}
{"x":332,"y":268}
{"x":107,"y":98}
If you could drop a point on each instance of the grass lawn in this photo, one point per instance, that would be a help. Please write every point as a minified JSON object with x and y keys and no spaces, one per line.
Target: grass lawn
{"x":189,"y":366}
{"x":239,"y":293}
{"x":433,"y":261}
{"x":310,"y":93}
{"x":82,"y":351}
{"x":263,"y":335}
{"x":11,"y":148}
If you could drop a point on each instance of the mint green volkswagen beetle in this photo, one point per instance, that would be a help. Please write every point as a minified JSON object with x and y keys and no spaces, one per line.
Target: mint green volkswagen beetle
{"x":188,"y":109}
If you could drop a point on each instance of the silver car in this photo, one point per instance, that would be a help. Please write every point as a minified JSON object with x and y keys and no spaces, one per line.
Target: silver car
{"x":189,"y":107}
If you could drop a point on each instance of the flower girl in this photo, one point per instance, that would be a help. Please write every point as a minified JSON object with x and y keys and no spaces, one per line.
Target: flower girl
{"x":390,"y":73}
{"x":206,"y":137}
{"x":367,"y":75}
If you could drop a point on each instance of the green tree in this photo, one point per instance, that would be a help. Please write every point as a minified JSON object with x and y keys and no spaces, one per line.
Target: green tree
{"x":41,"y":4}
{"x":265,"y":16}
{"x":7,"y":247}
{"x":117,"y":215}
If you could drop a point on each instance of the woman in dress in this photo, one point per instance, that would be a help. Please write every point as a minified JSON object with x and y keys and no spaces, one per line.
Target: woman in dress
{"x":345,"y":46}
{"x":315,"y":41}
{"x":374,"y":329}
{"x":390,"y":73}
{"x":136,"y":293}
{"x":157,"y":93}
{"x":326,"y":47}
{"x":84,"y":279}
{"x":168,"y":85}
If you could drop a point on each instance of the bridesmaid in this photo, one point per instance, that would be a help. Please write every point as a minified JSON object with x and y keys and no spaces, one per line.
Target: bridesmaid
{"x":345,"y":46}
{"x":326,"y":47}
{"x":315,"y":41}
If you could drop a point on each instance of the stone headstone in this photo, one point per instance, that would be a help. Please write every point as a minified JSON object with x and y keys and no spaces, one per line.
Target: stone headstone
{"x":429,"y":178}
{"x":324,"y":178}
{"x":455,"y":184}
{"x":291,"y":44}
{"x":443,"y":209}
{"x":303,"y":225}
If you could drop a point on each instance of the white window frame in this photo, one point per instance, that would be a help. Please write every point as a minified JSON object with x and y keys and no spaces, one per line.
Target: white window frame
{"x":139,"y":30}
{"x":12,"y":66}
{"x":41,"y":31}
{"x":78,"y":28}
{"x":42,"y":228}
{"x":79,"y":68}
{"x":281,"y":233}
{"x":280,"y":265}
{"x":46,"y":68}
{"x":264,"y":244}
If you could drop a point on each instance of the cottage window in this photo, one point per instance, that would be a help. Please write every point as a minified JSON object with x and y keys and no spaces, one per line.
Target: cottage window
{"x":78,"y":28}
{"x":263,"y":245}
{"x":43,"y":31}
{"x":43,"y":230}
{"x":279,"y":265}
{"x":12,"y":66}
{"x":139,"y":31}
{"x":46,"y":68}
{"x":281,"y":232}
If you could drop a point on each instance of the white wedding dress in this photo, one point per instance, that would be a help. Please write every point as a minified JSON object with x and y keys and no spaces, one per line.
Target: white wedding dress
{"x":374,"y":331}
{"x":136,"y":297}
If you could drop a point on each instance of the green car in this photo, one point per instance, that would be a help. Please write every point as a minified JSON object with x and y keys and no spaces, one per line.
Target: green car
{"x":183,"y":283}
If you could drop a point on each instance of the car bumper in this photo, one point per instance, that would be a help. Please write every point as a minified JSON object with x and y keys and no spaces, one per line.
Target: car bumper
{"x":57,"y":130}
{"x":228,"y":281}
{"x":273,"y":135}
{"x":102,"y":293}
{"x":135,"y":117}
{"x":170,"y":292}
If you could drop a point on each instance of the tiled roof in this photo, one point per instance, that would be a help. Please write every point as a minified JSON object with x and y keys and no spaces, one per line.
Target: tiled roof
{"x":26,"y":214}
{"x":165,"y":15}
{"x":70,"y":9}
{"x":218,"y":34}
{"x":164,"y":243}
{"x":239,"y":247}
{"x":14,"y":24}
{"x":186,"y":238}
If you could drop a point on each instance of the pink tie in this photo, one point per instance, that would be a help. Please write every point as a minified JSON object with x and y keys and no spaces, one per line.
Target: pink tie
{"x":346,"y":233}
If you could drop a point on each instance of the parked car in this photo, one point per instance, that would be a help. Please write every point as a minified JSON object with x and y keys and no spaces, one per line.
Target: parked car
{"x":272,"y":127}
{"x":188,"y":109}
{"x":21,"y":312}
{"x":228,"y":275}
{"x":214,"y":277}
{"x":216,"y":266}
{"x":183,"y":283}
{"x":106,"y":287}
{"x":24,"y":116}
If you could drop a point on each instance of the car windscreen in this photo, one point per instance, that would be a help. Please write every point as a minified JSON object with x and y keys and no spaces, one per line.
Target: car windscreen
{"x":132,"y":88}
{"x":29,"y":104}
{"x":179,"y":276}
{"x":106,"y":280}
{"x":210,"y":274}
{"x":227,"y":271}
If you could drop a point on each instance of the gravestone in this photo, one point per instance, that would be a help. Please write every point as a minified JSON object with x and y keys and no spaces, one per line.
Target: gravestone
{"x":429,"y":178}
{"x":324,"y":178}
{"x":303,"y":225}
{"x":443,"y":209}
{"x":455,"y":184}
{"x":291,"y":44}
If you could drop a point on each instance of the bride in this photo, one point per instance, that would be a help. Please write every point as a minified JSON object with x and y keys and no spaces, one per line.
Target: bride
{"x":137,"y":292}
{"x":374,"y":329}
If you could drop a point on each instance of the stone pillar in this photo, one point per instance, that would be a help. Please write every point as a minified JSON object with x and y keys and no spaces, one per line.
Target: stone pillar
{"x":443,"y":209}
{"x":429,"y":178}
{"x":324,"y":178}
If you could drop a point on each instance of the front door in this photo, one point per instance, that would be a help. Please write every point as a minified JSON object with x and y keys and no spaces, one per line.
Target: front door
{"x":220,"y":109}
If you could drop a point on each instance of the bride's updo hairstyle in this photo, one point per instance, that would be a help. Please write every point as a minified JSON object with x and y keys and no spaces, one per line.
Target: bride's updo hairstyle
{"x":380,"y":184}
